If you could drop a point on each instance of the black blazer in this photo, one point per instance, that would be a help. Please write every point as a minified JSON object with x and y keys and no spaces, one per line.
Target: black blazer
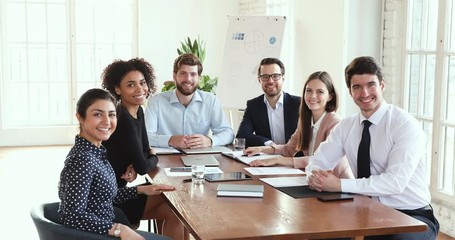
{"x":255,"y":123}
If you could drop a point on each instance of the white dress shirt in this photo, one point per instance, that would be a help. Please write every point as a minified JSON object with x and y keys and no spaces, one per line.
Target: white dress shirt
{"x":397,"y":166}
{"x":315,"y":128}
{"x":276,"y":121}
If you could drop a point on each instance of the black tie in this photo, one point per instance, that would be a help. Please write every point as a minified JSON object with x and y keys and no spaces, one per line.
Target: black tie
{"x":363,"y":155}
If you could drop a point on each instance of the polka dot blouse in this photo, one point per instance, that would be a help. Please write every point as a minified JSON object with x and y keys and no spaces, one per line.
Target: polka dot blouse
{"x":88,"y":189}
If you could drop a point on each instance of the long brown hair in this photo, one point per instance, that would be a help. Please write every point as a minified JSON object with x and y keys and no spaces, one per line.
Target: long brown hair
{"x":305,"y":114}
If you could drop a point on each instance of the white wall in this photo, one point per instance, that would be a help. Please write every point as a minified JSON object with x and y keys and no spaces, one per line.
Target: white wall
{"x":163,"y":24}
{"x":363,"y":38}
{"x":329,"y":34}
{"x":320,"y":40}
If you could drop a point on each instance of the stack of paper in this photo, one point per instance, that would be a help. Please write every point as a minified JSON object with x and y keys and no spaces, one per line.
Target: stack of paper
{"x":273,"y":170}
{"x":172,"y":173}
{"x":165,"y":150}
{"x":285,"y":181}
{"x":238,"y":155}
{"x":240,"y":190}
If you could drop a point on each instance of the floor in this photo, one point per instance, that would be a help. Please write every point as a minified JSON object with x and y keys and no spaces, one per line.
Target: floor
{"x":30,"y":176}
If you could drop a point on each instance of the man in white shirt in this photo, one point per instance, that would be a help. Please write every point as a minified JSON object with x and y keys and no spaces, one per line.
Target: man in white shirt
{"x":395,"y":167}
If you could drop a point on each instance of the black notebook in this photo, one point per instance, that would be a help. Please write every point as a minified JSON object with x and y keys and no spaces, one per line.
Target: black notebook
{"x":303,"y":192}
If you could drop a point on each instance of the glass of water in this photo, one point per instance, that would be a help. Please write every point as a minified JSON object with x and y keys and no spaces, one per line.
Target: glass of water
{"x":197,"y":174}
{"x":239,"y":144}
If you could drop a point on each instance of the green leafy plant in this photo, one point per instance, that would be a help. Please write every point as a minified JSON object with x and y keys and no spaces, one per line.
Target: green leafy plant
{"x":197,"y":47}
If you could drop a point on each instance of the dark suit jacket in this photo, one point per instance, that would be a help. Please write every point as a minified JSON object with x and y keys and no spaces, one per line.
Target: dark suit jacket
{"x":255,"y":123}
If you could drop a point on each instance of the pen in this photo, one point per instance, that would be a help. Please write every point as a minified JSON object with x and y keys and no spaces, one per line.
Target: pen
{"x":246,"y":155}
{"x":187,"y":180}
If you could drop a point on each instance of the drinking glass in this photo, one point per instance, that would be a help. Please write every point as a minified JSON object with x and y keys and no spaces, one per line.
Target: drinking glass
{"x":239,"y":144}
{"x":197,"y":174}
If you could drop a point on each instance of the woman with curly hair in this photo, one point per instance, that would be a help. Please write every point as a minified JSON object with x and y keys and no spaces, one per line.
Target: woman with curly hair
{"x":128,"y":150}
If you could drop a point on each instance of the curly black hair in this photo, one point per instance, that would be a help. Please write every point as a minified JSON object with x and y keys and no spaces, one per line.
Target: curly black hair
{"x":114,"y":73}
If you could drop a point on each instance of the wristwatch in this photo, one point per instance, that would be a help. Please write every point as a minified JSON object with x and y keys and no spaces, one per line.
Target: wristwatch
{"x":117,"y":230}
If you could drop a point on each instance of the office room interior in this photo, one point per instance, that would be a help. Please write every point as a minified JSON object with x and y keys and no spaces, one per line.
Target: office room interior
{"x":410,"y":38}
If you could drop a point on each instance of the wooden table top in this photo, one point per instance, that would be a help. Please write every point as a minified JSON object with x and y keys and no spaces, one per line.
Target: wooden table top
{"x":276,"y":215}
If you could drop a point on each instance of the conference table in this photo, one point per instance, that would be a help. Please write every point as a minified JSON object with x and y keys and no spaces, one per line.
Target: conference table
{"x":276,"y":215}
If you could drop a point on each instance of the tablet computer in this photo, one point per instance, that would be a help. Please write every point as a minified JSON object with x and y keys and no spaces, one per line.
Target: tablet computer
{"x":232,"y":176}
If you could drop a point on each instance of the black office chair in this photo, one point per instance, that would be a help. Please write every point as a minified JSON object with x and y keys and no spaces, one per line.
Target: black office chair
{"x":48,"y":224}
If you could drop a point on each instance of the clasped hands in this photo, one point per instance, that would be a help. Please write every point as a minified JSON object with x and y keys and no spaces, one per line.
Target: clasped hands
{"x":190,"y":141}
{"x":320,"y":180}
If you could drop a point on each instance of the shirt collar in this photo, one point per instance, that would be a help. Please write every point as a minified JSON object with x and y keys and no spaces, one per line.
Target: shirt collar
{"x":280,"y":99}
{"x":86,"y":145}
{"x":196,"y":97}
{"x":376,"y":116}
{"x":317,"y":124}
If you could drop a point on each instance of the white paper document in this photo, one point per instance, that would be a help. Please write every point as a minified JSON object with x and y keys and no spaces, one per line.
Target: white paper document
{"x":186,"y":174}
{"x":273,"y":170}
{"x":285,"y":181}
{"x":238,"y":155}
{"x":165,"y":150}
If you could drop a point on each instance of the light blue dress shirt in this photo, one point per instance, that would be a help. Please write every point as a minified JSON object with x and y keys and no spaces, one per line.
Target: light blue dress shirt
{"x":165,"y":116}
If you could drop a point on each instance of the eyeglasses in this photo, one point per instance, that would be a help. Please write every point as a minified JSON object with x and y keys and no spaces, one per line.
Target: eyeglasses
{"x":275,"y":77}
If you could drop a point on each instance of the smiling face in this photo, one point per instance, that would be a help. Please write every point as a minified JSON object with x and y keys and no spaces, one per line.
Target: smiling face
{"x":187,"y":79}
{"x":366,"y":90}
{"x":132,"y":89}
{"x":316,"y":96}
{"x":99,"y":123}
{"x":270,"y":87}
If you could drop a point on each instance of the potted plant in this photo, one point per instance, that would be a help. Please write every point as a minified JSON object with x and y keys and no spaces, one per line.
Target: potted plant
{"x":197,"y":47}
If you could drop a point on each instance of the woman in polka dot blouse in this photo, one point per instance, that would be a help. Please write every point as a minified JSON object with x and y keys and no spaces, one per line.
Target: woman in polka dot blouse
{"x":87,"y":187}
{"x":128,"y":150}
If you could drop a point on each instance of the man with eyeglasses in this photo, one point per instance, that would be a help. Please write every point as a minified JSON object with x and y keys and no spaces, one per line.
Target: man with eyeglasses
{"x":270,"y":118}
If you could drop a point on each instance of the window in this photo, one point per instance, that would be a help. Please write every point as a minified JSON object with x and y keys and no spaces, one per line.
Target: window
{"x":54,"y":50}
{"x":430,"y":85}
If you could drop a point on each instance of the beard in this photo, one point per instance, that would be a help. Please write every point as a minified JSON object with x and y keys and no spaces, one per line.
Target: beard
{"x":272,"y":93}
{"x":185,"y":92}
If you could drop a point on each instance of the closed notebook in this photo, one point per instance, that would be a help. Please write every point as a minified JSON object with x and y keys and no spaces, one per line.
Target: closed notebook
{"x":206,"y":160}
{"x":215,"y":149}
{"x":240,"y":190}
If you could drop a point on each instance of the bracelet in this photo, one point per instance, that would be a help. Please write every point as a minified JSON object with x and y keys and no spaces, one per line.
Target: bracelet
{"x":273,"y":149}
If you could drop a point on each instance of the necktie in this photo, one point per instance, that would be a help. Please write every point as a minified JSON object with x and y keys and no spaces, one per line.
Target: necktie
{"x":363,"y":155}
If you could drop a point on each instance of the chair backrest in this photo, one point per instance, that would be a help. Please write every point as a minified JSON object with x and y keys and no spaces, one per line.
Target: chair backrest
{"x":235,"y":116}
{"x":47,"y":222}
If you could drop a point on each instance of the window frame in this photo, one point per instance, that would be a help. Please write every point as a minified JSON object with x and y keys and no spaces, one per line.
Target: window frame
{"x":61,"y":133}
{"x":436,"y":140}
